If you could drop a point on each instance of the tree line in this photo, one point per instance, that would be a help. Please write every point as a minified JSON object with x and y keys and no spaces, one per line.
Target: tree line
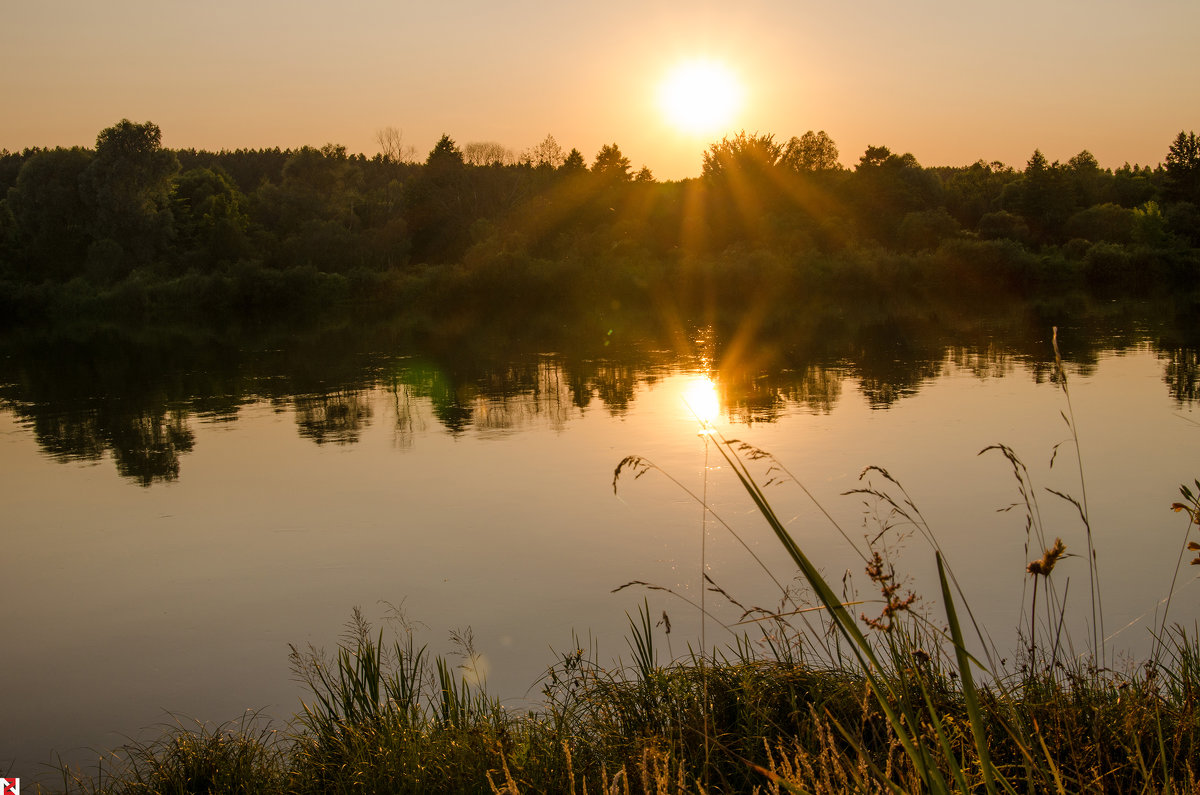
{"x":255,"y":231}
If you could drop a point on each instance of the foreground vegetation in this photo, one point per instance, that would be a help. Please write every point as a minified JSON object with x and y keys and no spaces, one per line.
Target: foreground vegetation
{"x":827,"y":702}
{"x":386,"y":719}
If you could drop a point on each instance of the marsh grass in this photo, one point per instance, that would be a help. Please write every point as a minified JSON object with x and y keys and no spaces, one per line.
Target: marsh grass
{"x":814,"y":696}
{"x":742,"y":722}
{"x":245,"y":756}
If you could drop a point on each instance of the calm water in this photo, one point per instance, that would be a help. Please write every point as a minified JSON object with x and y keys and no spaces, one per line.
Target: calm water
{"x":178,"y":511}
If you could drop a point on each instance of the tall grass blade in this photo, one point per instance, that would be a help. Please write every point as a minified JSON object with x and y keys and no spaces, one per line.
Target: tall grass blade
{"x":970,"y":694}
{"x":885,"y":696}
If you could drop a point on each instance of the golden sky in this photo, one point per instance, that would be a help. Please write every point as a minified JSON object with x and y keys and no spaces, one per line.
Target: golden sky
{"x":951,"y":82}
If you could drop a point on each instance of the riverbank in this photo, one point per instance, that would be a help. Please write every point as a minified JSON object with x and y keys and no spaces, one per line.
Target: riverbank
{"x":383,"y":717}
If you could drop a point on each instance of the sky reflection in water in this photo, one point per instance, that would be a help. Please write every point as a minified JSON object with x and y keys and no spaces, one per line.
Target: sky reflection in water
{"x":492,"y":506}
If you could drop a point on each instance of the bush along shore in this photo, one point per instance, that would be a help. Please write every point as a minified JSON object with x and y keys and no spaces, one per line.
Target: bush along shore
{"x":833,"y":696}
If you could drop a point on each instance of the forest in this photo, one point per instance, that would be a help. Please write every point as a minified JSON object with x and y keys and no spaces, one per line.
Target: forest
{"x":135,"y":230}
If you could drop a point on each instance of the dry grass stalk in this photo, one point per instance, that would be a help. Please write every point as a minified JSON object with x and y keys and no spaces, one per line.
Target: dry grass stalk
{"x":1051,"y":556}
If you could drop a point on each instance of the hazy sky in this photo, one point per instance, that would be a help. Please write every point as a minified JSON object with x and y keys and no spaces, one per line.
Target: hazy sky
{"x":951,"y":82}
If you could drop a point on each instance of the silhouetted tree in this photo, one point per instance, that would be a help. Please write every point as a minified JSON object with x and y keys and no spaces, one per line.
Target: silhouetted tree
{"x":1133,"y":185}
{"x":547,"y":154}
{"x":1003,"y":225}
{"x":1044,"y":197}
{"x":611,"y":164}
{"x":874,"y":156}
{"x":1183,"y":169}
{"x":811,"y":152}
{"x":129,"y":184}
{"x":445,"y":153}
{"x":52,"y":221}
{"x":573,"y":162}
{"x":752,"y":154}
{"x":1107,"y":222}
{"x":886,"y":187}
{"x":392,"y":146}
{"x":926,"y":229}
{"x":487,"y":153}
{"x":972,"y":192}
{"x":436,"y":205}
{"x":317,"y":185}
{"x":1089,"y":183}
{"x":210,"y":216}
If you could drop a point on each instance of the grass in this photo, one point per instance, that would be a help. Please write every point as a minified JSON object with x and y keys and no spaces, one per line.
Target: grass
{"x":739,"y":723}
{"x":827,"y":702}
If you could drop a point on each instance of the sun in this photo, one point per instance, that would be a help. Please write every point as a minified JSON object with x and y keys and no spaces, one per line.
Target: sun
{"x":700,"y":96}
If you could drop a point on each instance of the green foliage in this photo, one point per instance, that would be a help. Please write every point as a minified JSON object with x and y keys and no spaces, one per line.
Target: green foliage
{"x":128,"y":185}
{"x":888,"y":187}
{"x":1108,"y":223}
{"x":1183,"y":220}
{"x":1133,"y":186}
{"x":1044,"y":197}
{"x":52,"y":219}
{"x":926,"y":229}
{"x":382,"y":223}
{"x":1003,"y":225}
{"x":210,"y":215}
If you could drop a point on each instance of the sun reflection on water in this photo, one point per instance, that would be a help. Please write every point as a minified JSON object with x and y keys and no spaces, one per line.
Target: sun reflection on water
{"x":700,"y":397}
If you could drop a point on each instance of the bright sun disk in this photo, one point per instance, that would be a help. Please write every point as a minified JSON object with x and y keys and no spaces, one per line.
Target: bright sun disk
{"x":700,"y":97}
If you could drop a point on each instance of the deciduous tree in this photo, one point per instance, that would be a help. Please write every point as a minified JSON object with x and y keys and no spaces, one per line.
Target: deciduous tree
{"x":547,"y":154}
{"x":129,"y":184}
{"x":741,"y":153}
{"x":52,"y":222}
{"x":811,"y":152}
{"x":392,"y":146}
{"x":487,"y":153}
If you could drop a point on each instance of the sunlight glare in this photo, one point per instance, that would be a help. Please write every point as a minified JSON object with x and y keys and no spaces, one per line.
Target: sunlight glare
{"x":700,"y":97}
{"x":700,"y":397}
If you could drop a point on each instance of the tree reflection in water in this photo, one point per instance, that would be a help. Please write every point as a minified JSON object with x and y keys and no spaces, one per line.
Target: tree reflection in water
{"x":338,"y":416}
{"x":134,"y":394}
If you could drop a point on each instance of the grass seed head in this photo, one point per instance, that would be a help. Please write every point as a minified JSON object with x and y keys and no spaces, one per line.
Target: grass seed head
{"x":1045,"y":564}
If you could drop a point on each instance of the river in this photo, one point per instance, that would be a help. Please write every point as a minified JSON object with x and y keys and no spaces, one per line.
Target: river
{"x":179,"y":509}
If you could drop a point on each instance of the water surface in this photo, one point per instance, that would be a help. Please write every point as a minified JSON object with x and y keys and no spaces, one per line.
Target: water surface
{"x":179,"y":510}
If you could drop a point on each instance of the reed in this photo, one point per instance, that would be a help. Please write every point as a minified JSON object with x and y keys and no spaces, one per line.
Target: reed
{"x":772,"y":726}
